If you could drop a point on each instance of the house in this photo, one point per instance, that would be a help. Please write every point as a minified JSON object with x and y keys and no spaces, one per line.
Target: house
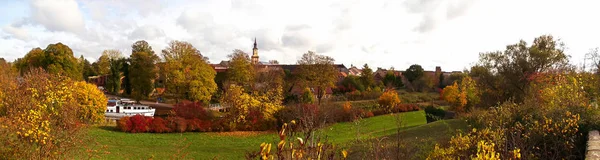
{"x":354,"y":71}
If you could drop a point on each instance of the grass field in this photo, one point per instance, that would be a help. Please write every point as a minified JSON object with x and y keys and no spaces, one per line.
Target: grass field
{"x":234,"y":145}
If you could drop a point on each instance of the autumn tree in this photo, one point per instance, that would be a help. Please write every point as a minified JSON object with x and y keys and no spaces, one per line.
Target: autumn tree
{"x":241,"y":70}
{"x":505,"y":74}
{"x":389,"y":99}
{"x":188,"y":74}
{"x":113,"y":81}
{"x":102,"y":64}
{"x":56,"y":59}
{"x":462,"y":96}
{"x":142,"y":70}
{"x":33,"y":59}
{"x":317,"y":72}
{"x":366,"y":77}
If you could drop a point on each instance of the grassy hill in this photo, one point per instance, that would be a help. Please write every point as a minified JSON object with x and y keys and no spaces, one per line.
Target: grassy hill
{"x":234,"y":145}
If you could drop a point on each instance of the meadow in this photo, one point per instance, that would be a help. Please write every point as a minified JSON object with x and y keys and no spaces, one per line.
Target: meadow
{"x":235,"y":145}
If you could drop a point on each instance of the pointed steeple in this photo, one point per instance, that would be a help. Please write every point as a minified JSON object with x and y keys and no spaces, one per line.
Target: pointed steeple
{"x":255,"y":53}
{"x":255,"y":44}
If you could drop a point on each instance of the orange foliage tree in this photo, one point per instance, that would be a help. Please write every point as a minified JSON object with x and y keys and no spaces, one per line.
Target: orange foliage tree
{"x":389,"y":99}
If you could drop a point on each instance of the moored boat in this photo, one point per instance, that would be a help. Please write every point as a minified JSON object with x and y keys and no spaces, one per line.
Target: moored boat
{"x":126,"y":108}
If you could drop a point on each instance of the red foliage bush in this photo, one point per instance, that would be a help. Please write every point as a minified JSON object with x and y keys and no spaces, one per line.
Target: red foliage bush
{"x":138,"y":124}
{"x":191,"y":110}
{"x":193,"y":124}
{"x":369,"y":114}
{"x":122,"y":124}
{"x":159,"y":125}
{"x":177,"y":124}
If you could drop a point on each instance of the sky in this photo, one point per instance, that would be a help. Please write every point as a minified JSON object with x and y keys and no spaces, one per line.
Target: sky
{"x":382,"y":33}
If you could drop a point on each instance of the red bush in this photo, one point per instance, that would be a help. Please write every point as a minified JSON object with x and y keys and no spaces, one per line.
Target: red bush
{"x":159,"y":125}
{"x":369,"y":114}
{"x":138,"y":124}
{"x":176,"y":124}
{"x":191,"y":110}
{"x":193,"y":124}
{"x":122,"y":124}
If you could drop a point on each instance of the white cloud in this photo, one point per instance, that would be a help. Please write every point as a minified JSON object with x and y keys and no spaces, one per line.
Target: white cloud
{"x":58,"y":15}
{"x":147,"y":32}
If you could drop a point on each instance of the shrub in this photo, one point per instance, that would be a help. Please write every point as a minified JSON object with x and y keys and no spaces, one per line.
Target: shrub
{"x":369,"y":114}
{"x":191,"y":110}
{"x":158,"y":125}
{"x":122,"y":124}
{"x":138,"y":124}
{"x":389,"y":99}
{"x":433,"y":114}
{"x":176,"y":124}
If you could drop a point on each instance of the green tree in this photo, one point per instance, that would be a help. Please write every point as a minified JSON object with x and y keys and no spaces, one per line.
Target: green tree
{"x":506,"y":74}
{"x":102,"y":65}
{"x":413,"y":72}
{"x":56,"y":59}
{"x":241,"y":70}
{"x":317,"y":72}
{"x":33,"y":59}
{"x":353,"y":82}
{"x":390,"y":79}
{"x":142,"y":71}
{"x":307,"y":96}
{"x":188,"y":75}
{"x":366,"y":77}
{"x":115,"y":61}
{"x":87,"y":68}
{"x":126,"y":62}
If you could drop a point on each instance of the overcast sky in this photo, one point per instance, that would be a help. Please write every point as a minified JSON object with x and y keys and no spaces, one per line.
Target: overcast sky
{"x":382,"y":33}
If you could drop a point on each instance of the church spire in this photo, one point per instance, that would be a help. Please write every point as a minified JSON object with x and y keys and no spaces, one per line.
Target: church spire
{"x":255,"y":43}
{"x":255,"y":53}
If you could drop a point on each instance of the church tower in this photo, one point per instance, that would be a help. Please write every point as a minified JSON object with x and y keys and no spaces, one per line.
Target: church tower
{"x":255,"y":53}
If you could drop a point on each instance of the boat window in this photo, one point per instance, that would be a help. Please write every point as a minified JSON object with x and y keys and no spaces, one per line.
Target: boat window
{"x":112,"y":103}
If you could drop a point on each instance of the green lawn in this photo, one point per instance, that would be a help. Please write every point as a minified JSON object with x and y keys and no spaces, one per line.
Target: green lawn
{"x":417,"y":141}
{"x":233,"y":145}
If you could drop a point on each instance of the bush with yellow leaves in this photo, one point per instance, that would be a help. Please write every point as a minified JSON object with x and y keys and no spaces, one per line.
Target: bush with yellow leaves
{"x":551,"y":122}
{"x":46,"y":115}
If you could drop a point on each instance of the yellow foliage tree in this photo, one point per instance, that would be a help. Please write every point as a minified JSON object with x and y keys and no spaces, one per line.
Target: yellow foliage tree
{"x":92,"y":102}
{"x":450,"y":93}
{"x":389,"y":99}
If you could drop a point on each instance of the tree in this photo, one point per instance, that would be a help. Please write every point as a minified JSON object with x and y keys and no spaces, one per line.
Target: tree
{"x":307,"y":96}
{"x":389,"y":99}
{"x":56,"y":59}
{"x":142,"y":70}
{"x":241,"y":70}
{"x":506,"y":73}
{"x":87,"y":68}
{"x":188,"y":75}
{"x":126,"y":62}
{"x":413,"y":72}
{"x":390,"y":80}
{"x":352,"y":83}
{"x":33,"y":59}
{"x":367,"y":77}
{"x":102,"y":65}
{"x":463,"y":95}
{"x":115,"y":61}
{"x":317,"y":72}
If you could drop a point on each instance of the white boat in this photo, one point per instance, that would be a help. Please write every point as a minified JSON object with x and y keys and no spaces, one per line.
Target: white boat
{"x":127,"y":108}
